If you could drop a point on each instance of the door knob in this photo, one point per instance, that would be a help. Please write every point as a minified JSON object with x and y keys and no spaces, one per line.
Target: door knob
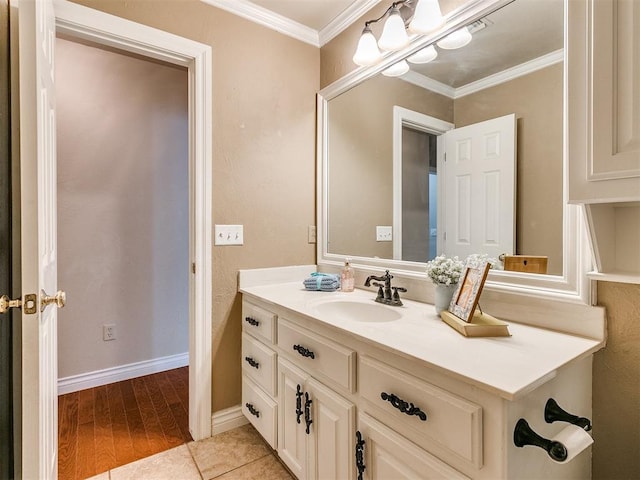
{"x":28,"y":305}
{"x":60,"y":298}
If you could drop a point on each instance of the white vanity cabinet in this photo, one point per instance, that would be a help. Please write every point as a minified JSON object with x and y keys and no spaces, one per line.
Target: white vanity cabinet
{"x":259,"y":370}
{"x":348,"y":404}
{"x":316,"y":426}
{"x":604,"y":130}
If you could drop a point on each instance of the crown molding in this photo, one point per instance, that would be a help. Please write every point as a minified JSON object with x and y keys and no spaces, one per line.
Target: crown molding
{"x":269,"y":19}
{"x":511,"y":73}
{"x":486,"y":82}
{"x":423,"y":81}
{"x":345,"y":19}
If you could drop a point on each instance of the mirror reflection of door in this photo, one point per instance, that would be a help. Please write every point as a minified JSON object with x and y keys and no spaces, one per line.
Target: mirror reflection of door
{"x":418,"y":156}
{"x":457,"y":208}
{"x":480,"y":182}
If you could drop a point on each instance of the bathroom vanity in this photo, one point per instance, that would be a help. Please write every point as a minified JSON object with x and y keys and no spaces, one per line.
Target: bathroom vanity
{"x":345,"y":388}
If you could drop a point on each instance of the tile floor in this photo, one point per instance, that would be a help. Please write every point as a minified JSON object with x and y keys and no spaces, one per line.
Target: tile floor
{"x":239,"y":454}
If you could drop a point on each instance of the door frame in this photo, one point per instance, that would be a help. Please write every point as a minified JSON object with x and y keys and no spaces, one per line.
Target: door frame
{"x":105,"y":29}
{"x":424,"y":123}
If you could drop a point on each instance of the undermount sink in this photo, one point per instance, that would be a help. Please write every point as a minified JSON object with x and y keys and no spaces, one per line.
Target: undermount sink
{"x":358,"y":311}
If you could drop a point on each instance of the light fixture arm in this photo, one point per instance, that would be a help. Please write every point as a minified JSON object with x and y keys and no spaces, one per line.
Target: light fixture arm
{"x":406,"y":3}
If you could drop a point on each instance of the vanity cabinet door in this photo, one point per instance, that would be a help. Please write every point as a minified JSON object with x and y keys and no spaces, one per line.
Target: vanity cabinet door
{"x":387,"y":455}
{"x":291,"y":422}
{"x":330,"y":435}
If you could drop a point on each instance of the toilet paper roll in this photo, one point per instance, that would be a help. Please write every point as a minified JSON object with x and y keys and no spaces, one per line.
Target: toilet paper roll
{"x":575,"y":439}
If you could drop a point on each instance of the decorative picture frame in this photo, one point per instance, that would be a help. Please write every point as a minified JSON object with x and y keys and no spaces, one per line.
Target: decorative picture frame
{"x":465,"y":298}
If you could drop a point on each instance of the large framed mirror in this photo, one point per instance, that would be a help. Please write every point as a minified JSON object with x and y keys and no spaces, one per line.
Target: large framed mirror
{"x":390,"y":193}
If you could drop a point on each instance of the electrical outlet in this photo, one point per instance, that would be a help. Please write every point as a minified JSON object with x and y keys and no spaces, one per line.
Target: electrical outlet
{"x":311,"y":234}
{"x":109,"y":332}
{"x":384,"y":234}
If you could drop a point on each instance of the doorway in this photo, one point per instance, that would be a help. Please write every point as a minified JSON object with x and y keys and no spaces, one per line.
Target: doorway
{"x":36,"y":436}
{"x":123,"y":253}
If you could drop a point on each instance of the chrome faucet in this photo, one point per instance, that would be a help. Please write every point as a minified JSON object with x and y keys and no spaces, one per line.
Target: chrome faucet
{"x":384,"y":289}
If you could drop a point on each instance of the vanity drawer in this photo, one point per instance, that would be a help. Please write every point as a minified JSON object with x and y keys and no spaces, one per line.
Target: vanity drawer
{"x":263,"y":413}
{"x":433,"y":415}
{"x":259,"y":363}
{"x":259,"y":322}
{"x":318,"y":354}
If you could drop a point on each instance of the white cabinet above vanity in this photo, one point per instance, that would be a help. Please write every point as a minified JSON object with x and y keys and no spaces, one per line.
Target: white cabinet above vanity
{"x":604,"y":132}
{"x":403,"y":395}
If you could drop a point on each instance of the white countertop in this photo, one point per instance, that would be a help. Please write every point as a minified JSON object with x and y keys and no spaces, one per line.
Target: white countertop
{"x":508,"y":366}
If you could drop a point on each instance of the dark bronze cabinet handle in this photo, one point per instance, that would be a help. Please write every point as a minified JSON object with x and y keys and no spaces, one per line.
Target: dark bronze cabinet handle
{"x":307,"y":412}
{"x":252,"y":362}
{"x":252,"y":321}
{"x":360,"y":455}
{"x":404,"y":407}
{"x":298,"y":403}
{"x":304,"y":352}
{"x":252,"y":410}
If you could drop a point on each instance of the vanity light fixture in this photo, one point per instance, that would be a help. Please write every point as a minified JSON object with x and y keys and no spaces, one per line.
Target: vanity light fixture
{"x":457,"y":39}
{"x":397,"y":69}
{"x":426,"y":55}
{"x":421,"y":17}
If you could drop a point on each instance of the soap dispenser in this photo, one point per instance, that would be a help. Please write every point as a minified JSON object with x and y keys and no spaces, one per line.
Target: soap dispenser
{"x":347,"y":282}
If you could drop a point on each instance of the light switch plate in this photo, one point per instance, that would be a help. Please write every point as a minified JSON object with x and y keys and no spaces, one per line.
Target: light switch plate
{"x":229,"y":234}
{"x":384,"y":234}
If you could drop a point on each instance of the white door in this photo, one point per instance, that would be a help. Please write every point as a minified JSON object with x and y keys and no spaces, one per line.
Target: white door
{"x":292,"y":436}
{"x":480,"y":181}
{"x":387,"y":455}
{"x":36,"y":23}
{"x":330,"y":452}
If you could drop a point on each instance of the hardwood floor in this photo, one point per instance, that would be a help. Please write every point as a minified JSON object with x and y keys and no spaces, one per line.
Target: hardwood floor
{"x":104,"y":427}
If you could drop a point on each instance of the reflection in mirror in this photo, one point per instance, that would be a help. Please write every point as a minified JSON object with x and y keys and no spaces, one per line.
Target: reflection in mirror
{"x":512,"y":66}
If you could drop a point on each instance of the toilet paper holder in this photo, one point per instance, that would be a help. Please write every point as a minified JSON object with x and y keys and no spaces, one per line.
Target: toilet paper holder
{"x":524,"y":435}
{"x":554,"y":413}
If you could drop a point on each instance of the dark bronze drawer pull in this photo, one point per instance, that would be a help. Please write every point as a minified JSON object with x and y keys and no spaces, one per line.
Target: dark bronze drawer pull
{"x":252,"y":321}
{"x":298,"y":403}
{"x":252,"y":362}
{"x":360,"y":455}
{"x":404,"y":407}
{"x":307,"y":412}
{"x":252,"y":410}
{"x":304,"y":352}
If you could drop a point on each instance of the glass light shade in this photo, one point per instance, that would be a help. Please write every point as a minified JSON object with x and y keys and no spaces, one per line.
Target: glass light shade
{"x":457,"y":39}
{"x":394,"y":35}
{"x":396,"y":69}
{"x":425,"y":55}
{"x":367,"y":52}
{"x":427,"y":17}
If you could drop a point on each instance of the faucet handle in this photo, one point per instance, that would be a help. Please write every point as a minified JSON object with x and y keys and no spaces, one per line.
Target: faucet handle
{"x":396,"y":296}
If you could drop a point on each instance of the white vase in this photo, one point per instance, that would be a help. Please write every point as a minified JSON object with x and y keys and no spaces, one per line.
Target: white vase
{"x":444,"y":293}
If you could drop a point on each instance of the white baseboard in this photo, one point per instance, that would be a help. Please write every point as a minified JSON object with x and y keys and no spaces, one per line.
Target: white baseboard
{"x":122,"y":372}
{"x":227,"y":419}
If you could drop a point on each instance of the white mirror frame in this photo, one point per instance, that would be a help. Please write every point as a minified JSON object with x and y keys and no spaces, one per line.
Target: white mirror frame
{"x":572,"y":286}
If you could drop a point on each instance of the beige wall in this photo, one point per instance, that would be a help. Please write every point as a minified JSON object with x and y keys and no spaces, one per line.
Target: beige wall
{"x":616,"y":386}
{"x":123,"y":231}
{"x":616,"y":379}
{"x":361,"y":167}
{"x":264,"y":86}
{"x":539,"y":150}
